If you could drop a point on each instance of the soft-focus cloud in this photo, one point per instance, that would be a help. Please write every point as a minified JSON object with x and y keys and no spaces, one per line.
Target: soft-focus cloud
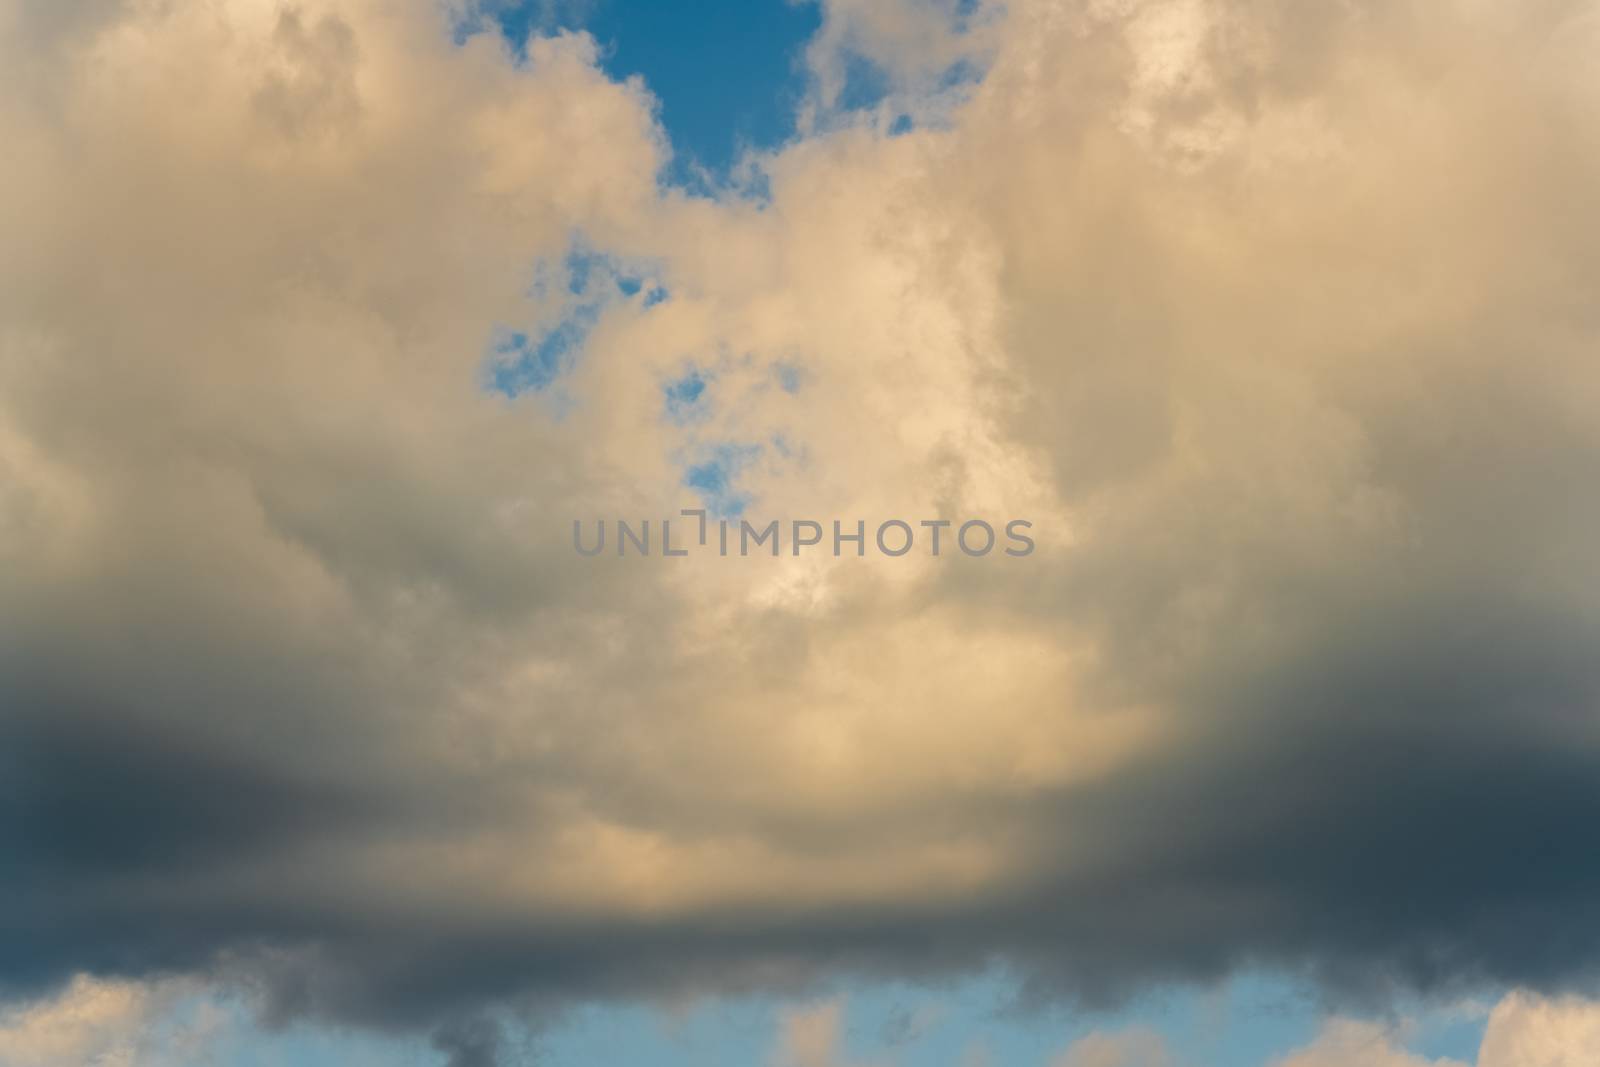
{"x":107,"y":1024}
{"x":1348,"y":1043}
{"x":1276,"y":319}
{"x":1129,"y":1048}
{"x":812,"y":1037}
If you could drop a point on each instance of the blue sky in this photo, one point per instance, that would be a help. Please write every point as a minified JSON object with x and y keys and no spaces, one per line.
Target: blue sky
{"x":727,"y":73}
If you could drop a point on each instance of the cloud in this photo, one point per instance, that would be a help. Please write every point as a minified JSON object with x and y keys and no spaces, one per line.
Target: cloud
{"x":1348,"y":1043}
{"x":810,"y":1036}
{"x":1533,"y":1031}
{"x":1275,"y":320}
{"x":875,"y":62}
{"x":1129,"y":1048}
{"x":1523,"y":1030}
{"x":106,"y":1024}
{"x":475,"y":1043}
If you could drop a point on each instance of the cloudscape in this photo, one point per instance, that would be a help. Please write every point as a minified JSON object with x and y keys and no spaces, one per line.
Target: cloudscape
{"x":329,"y":329}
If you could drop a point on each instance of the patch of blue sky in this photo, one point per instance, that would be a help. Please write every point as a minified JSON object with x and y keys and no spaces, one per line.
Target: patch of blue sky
{"x":627,"y":276}
{"x":518,"y":363}
{"x":1452,"y":1031}
{"x":649,"y":291}
{"x":867,"y":83}
{"x":954,"y":86}
{"x":592,"y":274}
{"x":961,"y":73}
{"x":751,"y":184}
{"x":732,"y":1030}
{"x":789,"y":376}
{"x":575,"y":290}
{"x":897,"y":110}
{"x":714,"y":474}
{"x":1454,"y":1037}
{"x":581,"y":264}
{"x":1246,"y":1022}
{"x":685,"y":398}
{"x":966,"y":14}
{"x":728,"y":74}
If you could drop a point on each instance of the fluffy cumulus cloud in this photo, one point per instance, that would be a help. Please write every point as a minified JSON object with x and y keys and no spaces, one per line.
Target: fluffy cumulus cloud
{"x":1523,"y":1031}
{"x":1276,"y":319}
{"x":1530,"y":1031}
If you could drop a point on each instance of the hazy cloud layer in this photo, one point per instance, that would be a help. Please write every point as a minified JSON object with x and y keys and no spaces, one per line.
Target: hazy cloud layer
{"x":1277,"y":319}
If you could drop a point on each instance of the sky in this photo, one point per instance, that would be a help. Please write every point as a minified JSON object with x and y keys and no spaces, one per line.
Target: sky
{"x":727,"y":77}
{"x":335,"y":327}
